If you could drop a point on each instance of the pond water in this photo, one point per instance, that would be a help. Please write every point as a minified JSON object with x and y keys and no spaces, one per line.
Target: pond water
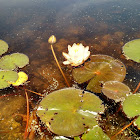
{"x":103,"y":25}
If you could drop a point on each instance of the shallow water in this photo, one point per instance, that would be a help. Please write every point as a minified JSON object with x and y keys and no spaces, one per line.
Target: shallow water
{"x":103,"y":25}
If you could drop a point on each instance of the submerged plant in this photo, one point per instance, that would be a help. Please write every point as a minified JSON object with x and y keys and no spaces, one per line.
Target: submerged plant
{"x":132,"y":50}
{"x":100,"y":69}
{"x":77,"y":54}
{"x":69,"y":112}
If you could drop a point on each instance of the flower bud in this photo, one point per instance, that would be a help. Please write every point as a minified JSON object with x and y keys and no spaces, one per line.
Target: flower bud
{"x":52,"y":39}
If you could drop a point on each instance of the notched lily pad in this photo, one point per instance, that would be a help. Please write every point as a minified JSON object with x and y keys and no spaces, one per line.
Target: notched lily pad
{"x":6,"y":77}
{"x":10,"y":62}
{"x":68,"y":112}
{"x":95,"y":134}
{"x":132,"y":50}
{"x":100,"y":69}
{"x":115,"y":90}
{"x":131,"y":105}
{"x":3,"y":47}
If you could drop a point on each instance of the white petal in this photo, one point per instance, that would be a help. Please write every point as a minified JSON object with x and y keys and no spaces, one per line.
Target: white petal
{"x":66,"y":55}
{"x":69,"y":47}
{"x":87,"y":48}
{"x":66,"y":62}
{"x":74,"y":45}
{"x":86,"y":55}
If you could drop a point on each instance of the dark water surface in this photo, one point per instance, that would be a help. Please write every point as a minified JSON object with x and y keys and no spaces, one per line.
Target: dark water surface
{"x":103,"y":25}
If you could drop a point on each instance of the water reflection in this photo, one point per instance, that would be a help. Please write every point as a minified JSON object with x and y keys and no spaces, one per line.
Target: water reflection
{"x":104,"y":25}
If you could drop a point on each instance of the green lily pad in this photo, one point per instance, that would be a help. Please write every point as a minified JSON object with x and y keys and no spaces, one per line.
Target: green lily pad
{"x":68,"y":112}
{"x":132,"y":50}
{"x":7,"y":76}
{"x":131,"y":105}
{"x":3,"y":47}
{"x":95,"y":134}
{"x":115,"y":90}
{"x":137,"y":122}
{"x":11,"y":62}
{"x":100,"y":69}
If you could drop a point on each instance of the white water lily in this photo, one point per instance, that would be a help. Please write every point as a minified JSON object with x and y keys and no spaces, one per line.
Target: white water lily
{"x":77,"y":54}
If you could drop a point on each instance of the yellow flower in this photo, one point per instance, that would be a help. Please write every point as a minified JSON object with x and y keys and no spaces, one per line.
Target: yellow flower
{"x":22,"y":78}
{"x":77,"y":54}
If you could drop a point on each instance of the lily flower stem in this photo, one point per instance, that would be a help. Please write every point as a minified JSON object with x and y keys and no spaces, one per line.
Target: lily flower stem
{"x":35,"y":92}
{"x":59,"y":66}
{"x":27,"y":123}
{"x":124,"y":128}
{"x":138,"y":86}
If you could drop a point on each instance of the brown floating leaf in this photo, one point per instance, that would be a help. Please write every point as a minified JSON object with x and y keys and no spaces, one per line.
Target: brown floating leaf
{"x":115,"y":90}
{"x":102,"y":68}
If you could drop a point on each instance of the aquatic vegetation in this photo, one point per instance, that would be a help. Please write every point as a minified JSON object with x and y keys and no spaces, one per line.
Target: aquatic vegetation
{"x":131,"y":107}
{"x":6,"y":76}
{"x":22,"y":78}
{"x":68,"y":112}
{"x":11,"y":125}
{"x":96,"y":133}
{"x":100,"y":69}
{"x":8,"y":64}
{"x":115,"y":90}
{"x":132,"y":50}
{"x":52,"y":40}
{"x":77,"y":54}
{"x":3,"y":47}
{"x":11,"y":62}
{"x":137,"y":122}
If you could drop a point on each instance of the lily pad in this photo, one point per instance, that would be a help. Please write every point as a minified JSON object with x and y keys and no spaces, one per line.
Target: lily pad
{"x":6,"y":77}
{"x":131,"y":105}
{"x":3,"y":47}
{"x":100,"y":69}
{"x":115,"y":90}
{"x":132,"y":50}
{"x":10,"y":62}
{"x":68,"y":112}
{"x":22,"y":78}
{"x":137,"y":122}
{"x":95,"y":134}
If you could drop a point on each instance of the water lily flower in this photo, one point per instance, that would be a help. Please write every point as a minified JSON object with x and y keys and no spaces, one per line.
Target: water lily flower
{"x":77,"y":54}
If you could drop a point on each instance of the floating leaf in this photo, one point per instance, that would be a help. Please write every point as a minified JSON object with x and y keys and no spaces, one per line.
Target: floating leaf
{"x":10,"y":62}
{"x":60,"y":138}
{"x":102,"y":68}
{"x":132,"y":50}
{"x":95,"y":134}
{"x":137,"y":122}
{"x":6,"y":76}
{"x":68,"y":112}
{"x":131,"y":105}
{"x":22,"y":78}
{"x":3,"y":47}
{"x":115,"y":90}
